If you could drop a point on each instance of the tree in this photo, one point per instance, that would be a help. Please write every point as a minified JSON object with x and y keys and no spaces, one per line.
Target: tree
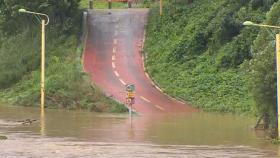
{"x":263,"y":72}
{"x":62,"y":12}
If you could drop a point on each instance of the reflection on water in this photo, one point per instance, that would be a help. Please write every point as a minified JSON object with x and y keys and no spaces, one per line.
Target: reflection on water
{"x":42,"y":122}
{"x":159,"y":135}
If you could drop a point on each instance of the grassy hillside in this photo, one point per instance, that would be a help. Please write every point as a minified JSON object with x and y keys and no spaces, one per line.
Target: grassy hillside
{"x":199,"y":52}
{"x":67,"y":86}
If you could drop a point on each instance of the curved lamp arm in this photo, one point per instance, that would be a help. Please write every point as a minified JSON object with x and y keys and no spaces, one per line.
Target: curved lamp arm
{"x":29,"y":12}
{"x":250,"y":23}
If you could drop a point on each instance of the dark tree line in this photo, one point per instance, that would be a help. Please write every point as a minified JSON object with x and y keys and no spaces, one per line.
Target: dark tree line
{"x":61,"y":12}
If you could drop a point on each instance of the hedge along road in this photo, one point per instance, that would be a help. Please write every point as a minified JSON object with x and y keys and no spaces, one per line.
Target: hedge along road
{"x":113,"y":59}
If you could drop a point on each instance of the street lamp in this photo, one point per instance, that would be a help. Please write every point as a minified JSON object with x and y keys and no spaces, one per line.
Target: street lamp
{"x":250,"y":23}
{"x":44,"y":23}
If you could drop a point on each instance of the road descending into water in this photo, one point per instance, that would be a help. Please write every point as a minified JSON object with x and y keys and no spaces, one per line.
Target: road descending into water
{"x":113,"y":59}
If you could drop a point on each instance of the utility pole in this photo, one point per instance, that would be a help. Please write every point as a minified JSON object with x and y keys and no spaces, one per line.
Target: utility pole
{"x":160,"y":7}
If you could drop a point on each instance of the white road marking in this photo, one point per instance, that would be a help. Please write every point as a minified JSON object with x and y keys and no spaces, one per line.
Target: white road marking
{"x":181,"y":102}
{"x":113,"y":65}
{"x":115,"y":41}
{"x":144,"y":38}
{"x":116,"y":73}
{"x":114,"y":50}
{"x":116,"y":33}
{"x":147,"y":100}
{"x":113,"y":57}
{"x":143,"y":65}
{"x":158,"y":89}
{"x":140,"y":44}
{"x":122,"y":82}
{"x":147,"y":75}
{"x":159,"y":107}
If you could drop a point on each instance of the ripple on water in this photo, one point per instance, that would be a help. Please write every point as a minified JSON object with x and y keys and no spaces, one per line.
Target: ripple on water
{"x":56,"y":147}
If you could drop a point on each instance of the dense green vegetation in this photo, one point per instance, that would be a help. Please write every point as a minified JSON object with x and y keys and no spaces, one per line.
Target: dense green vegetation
{"x":66,"y":84}
{"x":201,"y":53}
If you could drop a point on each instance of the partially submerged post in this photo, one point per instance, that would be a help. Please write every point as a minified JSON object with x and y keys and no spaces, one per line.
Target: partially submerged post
{"x":130,"y":97}
{"x":90,"y":4}
{"x":110,"y":4}
{"x":129,"y":3}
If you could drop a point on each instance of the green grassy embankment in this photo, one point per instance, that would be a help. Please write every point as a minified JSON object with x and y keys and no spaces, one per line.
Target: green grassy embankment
{"x":67,"y":86}
{"x":201,"y":52}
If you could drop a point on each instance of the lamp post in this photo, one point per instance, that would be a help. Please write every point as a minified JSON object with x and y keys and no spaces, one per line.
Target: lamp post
{"x":250,"y":23}
{"x":44,"y":23}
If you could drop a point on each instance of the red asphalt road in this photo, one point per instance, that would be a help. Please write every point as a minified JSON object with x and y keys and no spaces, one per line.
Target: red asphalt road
{"x":113,"y":59}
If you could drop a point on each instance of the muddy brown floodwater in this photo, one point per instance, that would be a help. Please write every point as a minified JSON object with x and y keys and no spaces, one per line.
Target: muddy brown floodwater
{"x":84,"y":134}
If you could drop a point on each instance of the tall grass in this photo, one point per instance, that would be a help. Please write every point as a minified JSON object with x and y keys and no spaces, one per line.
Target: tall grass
{"x":17,"y":57}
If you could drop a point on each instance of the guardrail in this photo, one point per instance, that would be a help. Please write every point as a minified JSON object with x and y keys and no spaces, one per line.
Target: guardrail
{"x":130,"y":3}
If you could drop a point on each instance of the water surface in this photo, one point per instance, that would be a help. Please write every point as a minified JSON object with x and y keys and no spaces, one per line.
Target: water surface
{"x":64,"y":133}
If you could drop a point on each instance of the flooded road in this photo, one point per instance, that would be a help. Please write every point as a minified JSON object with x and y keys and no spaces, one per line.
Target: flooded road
{"x":83,"y":134}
